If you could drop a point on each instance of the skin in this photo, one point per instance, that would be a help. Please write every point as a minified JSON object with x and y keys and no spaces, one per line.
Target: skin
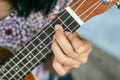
{"x":5,"y":9}
{"x":73,"y":49}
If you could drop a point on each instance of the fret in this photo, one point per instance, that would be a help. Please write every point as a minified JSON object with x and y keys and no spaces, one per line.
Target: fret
{"x":12,"y":63}
{"x":74,"y":25}
{"x":42,"y":36}
{"x":4,"y":70}
{"x":55,"y":22}
{"x":37,"y":49}
{"x":30,"y":47}
{"x":25,"y":68}
{"x":20,"y":72}
{"x":35,"y":52}
{"x":36,"y":41}
{"x":34,"y":60}
{"x":1,"y":74}
{"x":25,"y":60}
{"x":64,"y":15}
{"x":7,"y":67}
{"x":21,"y":64}
{"x":75,"y":28}
{"x":25,"y":51}
{"x":7,"y":76}
{"x":16,"y":76}
{"x":40,"y":46}
{"x":49,"y":30}
{"x":47,"y":41}
{"x":20,"y":56}
{"x":68,"y":21}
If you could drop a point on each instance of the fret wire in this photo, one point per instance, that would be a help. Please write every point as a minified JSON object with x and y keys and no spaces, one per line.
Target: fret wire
{"x":37,"y":50}
{"x":45,"y":54}
{"x":72,"y":23}
{"x":47,"y":35}
{"x":40,"y":45}
{"x":26,"y":45}
{"x":38,"y":53}
{"x":24,"y":63}
{"x":43,"y":42}
{"x":28,"y":56}
{"x":78,"y":25}
{"x":64,"y":23}
{"x":10,"y":73}
{"x":28,"y":62}
{"x":18,"y":62}
{"x":2,"y":72}
{"x":35,"y":64}
{"x":25,"y":67}
{"x":60,"y":18}
{"x":13,"y":69}
{"x":17,"y":68}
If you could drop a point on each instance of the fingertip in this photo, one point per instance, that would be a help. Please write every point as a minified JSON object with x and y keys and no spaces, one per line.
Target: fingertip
{"x":57,"y":26}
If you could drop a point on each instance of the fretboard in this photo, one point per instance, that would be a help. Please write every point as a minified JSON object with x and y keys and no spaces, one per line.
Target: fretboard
{"x":36,"y":50}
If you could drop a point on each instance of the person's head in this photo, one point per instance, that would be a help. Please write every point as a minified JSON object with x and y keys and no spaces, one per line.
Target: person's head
{"x":24,"y":7}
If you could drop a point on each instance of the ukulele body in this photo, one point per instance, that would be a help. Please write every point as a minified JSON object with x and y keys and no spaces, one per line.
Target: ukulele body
{"x":5,"y":54}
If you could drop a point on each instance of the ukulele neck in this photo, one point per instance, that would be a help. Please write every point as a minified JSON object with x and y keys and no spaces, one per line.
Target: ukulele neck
{"x":36,"y":50}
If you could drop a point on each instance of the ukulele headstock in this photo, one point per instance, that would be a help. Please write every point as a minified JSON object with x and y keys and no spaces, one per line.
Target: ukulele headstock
{"x":87,"y":9}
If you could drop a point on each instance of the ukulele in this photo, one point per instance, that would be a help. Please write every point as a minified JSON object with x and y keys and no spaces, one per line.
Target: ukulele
{"x":20,"y":65}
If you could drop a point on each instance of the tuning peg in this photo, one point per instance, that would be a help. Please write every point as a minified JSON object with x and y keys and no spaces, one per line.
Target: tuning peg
{"x":118,"y":4}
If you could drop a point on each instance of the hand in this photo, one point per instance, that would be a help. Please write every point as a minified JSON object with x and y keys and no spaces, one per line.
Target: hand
{"x":70,"y":51}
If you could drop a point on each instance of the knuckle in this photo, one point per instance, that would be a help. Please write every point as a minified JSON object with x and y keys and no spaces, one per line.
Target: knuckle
{"x":63,"y":73}
{"x":69,"y":51}
{"x":89,"y":48}
{"x":86,"y":48}
{"x":80,"y":49}
{"x":84,"y":60}
{"x":76,"y":66}
{"x":62,"y":61}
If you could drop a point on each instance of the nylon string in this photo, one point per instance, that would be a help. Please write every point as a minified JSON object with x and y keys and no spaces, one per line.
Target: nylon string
{"x":35,"y":47}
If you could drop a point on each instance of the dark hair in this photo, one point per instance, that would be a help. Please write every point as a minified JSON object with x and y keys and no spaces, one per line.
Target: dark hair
{"x":24,"y":7}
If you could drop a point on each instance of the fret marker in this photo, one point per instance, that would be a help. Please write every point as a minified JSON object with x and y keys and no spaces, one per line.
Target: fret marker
{"x":16,"y":69}
{"x":30,"y":56}
{"x":3,"y":70}
{"x":40,"y":47}
{"x":74,"y":15}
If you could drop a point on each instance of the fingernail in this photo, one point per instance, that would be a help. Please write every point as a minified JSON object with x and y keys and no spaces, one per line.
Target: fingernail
{"x":58,"y":27}
{"x":67,"y":33}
